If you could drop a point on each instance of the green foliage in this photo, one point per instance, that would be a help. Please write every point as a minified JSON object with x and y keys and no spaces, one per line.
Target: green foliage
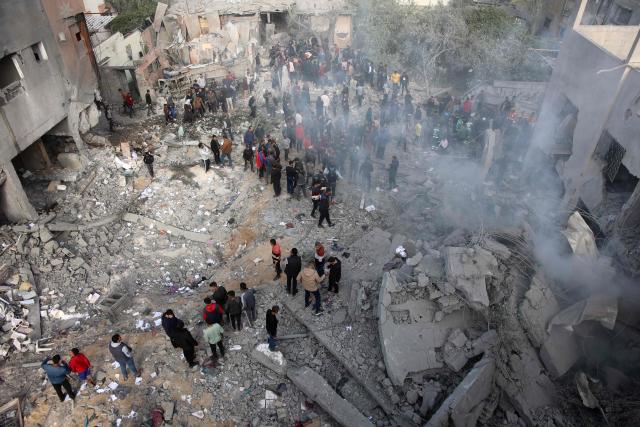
{"x":131,"y":14}
{"x":433,"y":42}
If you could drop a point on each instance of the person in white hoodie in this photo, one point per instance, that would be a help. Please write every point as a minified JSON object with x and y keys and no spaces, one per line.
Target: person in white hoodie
{"x":205,"y":155}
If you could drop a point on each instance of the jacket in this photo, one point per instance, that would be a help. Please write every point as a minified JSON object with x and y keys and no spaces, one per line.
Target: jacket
{"x":335,"y":271}
{"x":220,"y":296}
{"x":148,"y":159}
{"x":272,"y":324}
{"x":213,"y":333}
{"x":309,"y":279}
{"x":226,"y":146}
{"x":182,"y":338}
{"x":212,"y":313}
{"x":294,"y":266}
{"x":248,"y":298}
{"x":234,"y":306}
{"x":79,"y":363}
{"x":56,"y":374}
{"x":170,"y":324}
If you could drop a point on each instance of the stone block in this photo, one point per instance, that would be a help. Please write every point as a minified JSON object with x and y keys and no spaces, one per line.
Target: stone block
{"x":537,"y":309}
{"x":559,"y":352}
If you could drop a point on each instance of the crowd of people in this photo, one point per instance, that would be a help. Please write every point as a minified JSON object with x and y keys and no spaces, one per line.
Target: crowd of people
{"x":319,"y":143}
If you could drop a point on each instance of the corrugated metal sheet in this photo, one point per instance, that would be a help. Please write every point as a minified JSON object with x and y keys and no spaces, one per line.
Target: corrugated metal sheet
{"x":98,"y":22}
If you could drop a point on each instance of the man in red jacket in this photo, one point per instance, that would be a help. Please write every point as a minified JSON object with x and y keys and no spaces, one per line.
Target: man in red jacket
{"x":81,"y":366}
{"x":212,"y":312}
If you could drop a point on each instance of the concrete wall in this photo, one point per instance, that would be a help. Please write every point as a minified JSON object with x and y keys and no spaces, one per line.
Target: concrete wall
{"x":94,"y":6}
{"x":43,"y":102}
{"x":115,"y":48}
{"x":624,"y":128}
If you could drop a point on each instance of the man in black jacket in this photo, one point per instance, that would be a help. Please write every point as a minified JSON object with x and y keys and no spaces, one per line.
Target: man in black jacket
{"x":272,"y":326}
{"x":219,"y":296}
{"x":182,"y":338}
{"x":335,"y":272}
{"x":215,"y":148}
{"x":292,"y":269}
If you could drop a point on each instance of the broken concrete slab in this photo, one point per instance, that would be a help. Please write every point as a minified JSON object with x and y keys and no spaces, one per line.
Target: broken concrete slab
{"x":273,"y":360}
{"x":408,"y":348}
{"x":467,"y":269}
{"x":598,"y":308}
{"x":430,"y":392}
{"x":318,"y":390}
{"x":537,"y":309}
{"x":496,"y":248}
{"x":464,"y":405}
{"x":560,"y":351}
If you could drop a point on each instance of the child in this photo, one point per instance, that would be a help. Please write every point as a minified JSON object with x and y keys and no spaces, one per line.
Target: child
{"x":248,"y":299}
{"x":81,"y":366}
{"x":214,"y":335}
{"x":234,"y":308}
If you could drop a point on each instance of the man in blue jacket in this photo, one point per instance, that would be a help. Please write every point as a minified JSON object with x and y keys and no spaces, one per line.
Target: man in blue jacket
{"x":57,"y":371}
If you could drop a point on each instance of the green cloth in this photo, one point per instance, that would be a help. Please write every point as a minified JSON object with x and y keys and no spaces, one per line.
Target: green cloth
{"x":213,"y":334}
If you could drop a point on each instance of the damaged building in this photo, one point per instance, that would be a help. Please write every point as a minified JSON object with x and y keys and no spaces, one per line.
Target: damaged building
{"x":592,"y":133}
{"x":47,"y":79}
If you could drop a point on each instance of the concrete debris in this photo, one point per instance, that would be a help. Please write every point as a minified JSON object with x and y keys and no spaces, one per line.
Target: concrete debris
{"x":467,"y":270}
{"x":537,"y":309}
{"x":273,"y":360}
{"x":430,"y":392}
{"x":560,"y":351}
{"x":588,"y":399}
{"x":314,"y":386}
{"x":464,"y":406}
{"x":580,"y":237}
{"x":598,"y":308}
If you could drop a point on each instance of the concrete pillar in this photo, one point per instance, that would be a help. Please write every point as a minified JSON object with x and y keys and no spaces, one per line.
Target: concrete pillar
{"x":13,"y":200}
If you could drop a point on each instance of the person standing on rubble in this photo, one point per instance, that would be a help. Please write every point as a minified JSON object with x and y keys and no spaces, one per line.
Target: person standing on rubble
{"x":272,"y":327}
{"x":212,"y":312}
{"x":292,"y":270}
{"x":170,"y":322}
{"x":147,"y":98}
{"x":335,"y":273}
{"x":276,"y":254}
{"x":213,"y":335}
{"x":248,"y":300}
{"x":310,"y":280}
{"x":183,"y":339}
{"x":80,"y":365}
{"x":215,"y":148}
{"x":205,"y":155}
{"x":123,"y":354}
{"x":323,"y":207}
{"x":148,"y":161}
{"x":393,"y":172}
{"x":227,"y":147}
{"x":276,"y":177}
{"x":234,"y":308}
{"x":57,"y":370}
{"x":319,"y":258}
{"x":366,"y":169}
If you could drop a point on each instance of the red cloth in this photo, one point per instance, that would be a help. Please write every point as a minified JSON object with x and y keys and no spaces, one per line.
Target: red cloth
{"x":299,"y":132}
{"x":320,"y":250}
{"x":258,"y":162}
{"x":79,"y":363}
{"x":466,"y":107}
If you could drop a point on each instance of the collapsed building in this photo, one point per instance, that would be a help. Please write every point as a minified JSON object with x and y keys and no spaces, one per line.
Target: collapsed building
{"x":48,"y":75}
{"x":592,"y":133}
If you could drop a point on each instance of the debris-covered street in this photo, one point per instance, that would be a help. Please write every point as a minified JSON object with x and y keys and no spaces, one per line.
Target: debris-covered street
{"x":412,"y":251}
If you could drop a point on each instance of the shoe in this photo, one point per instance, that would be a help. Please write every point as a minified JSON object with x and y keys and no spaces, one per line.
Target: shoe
{"x":331,"y":225}
{"x":307,"y":305}
{"x":320,"y":226}
{"x":319,"y":312}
